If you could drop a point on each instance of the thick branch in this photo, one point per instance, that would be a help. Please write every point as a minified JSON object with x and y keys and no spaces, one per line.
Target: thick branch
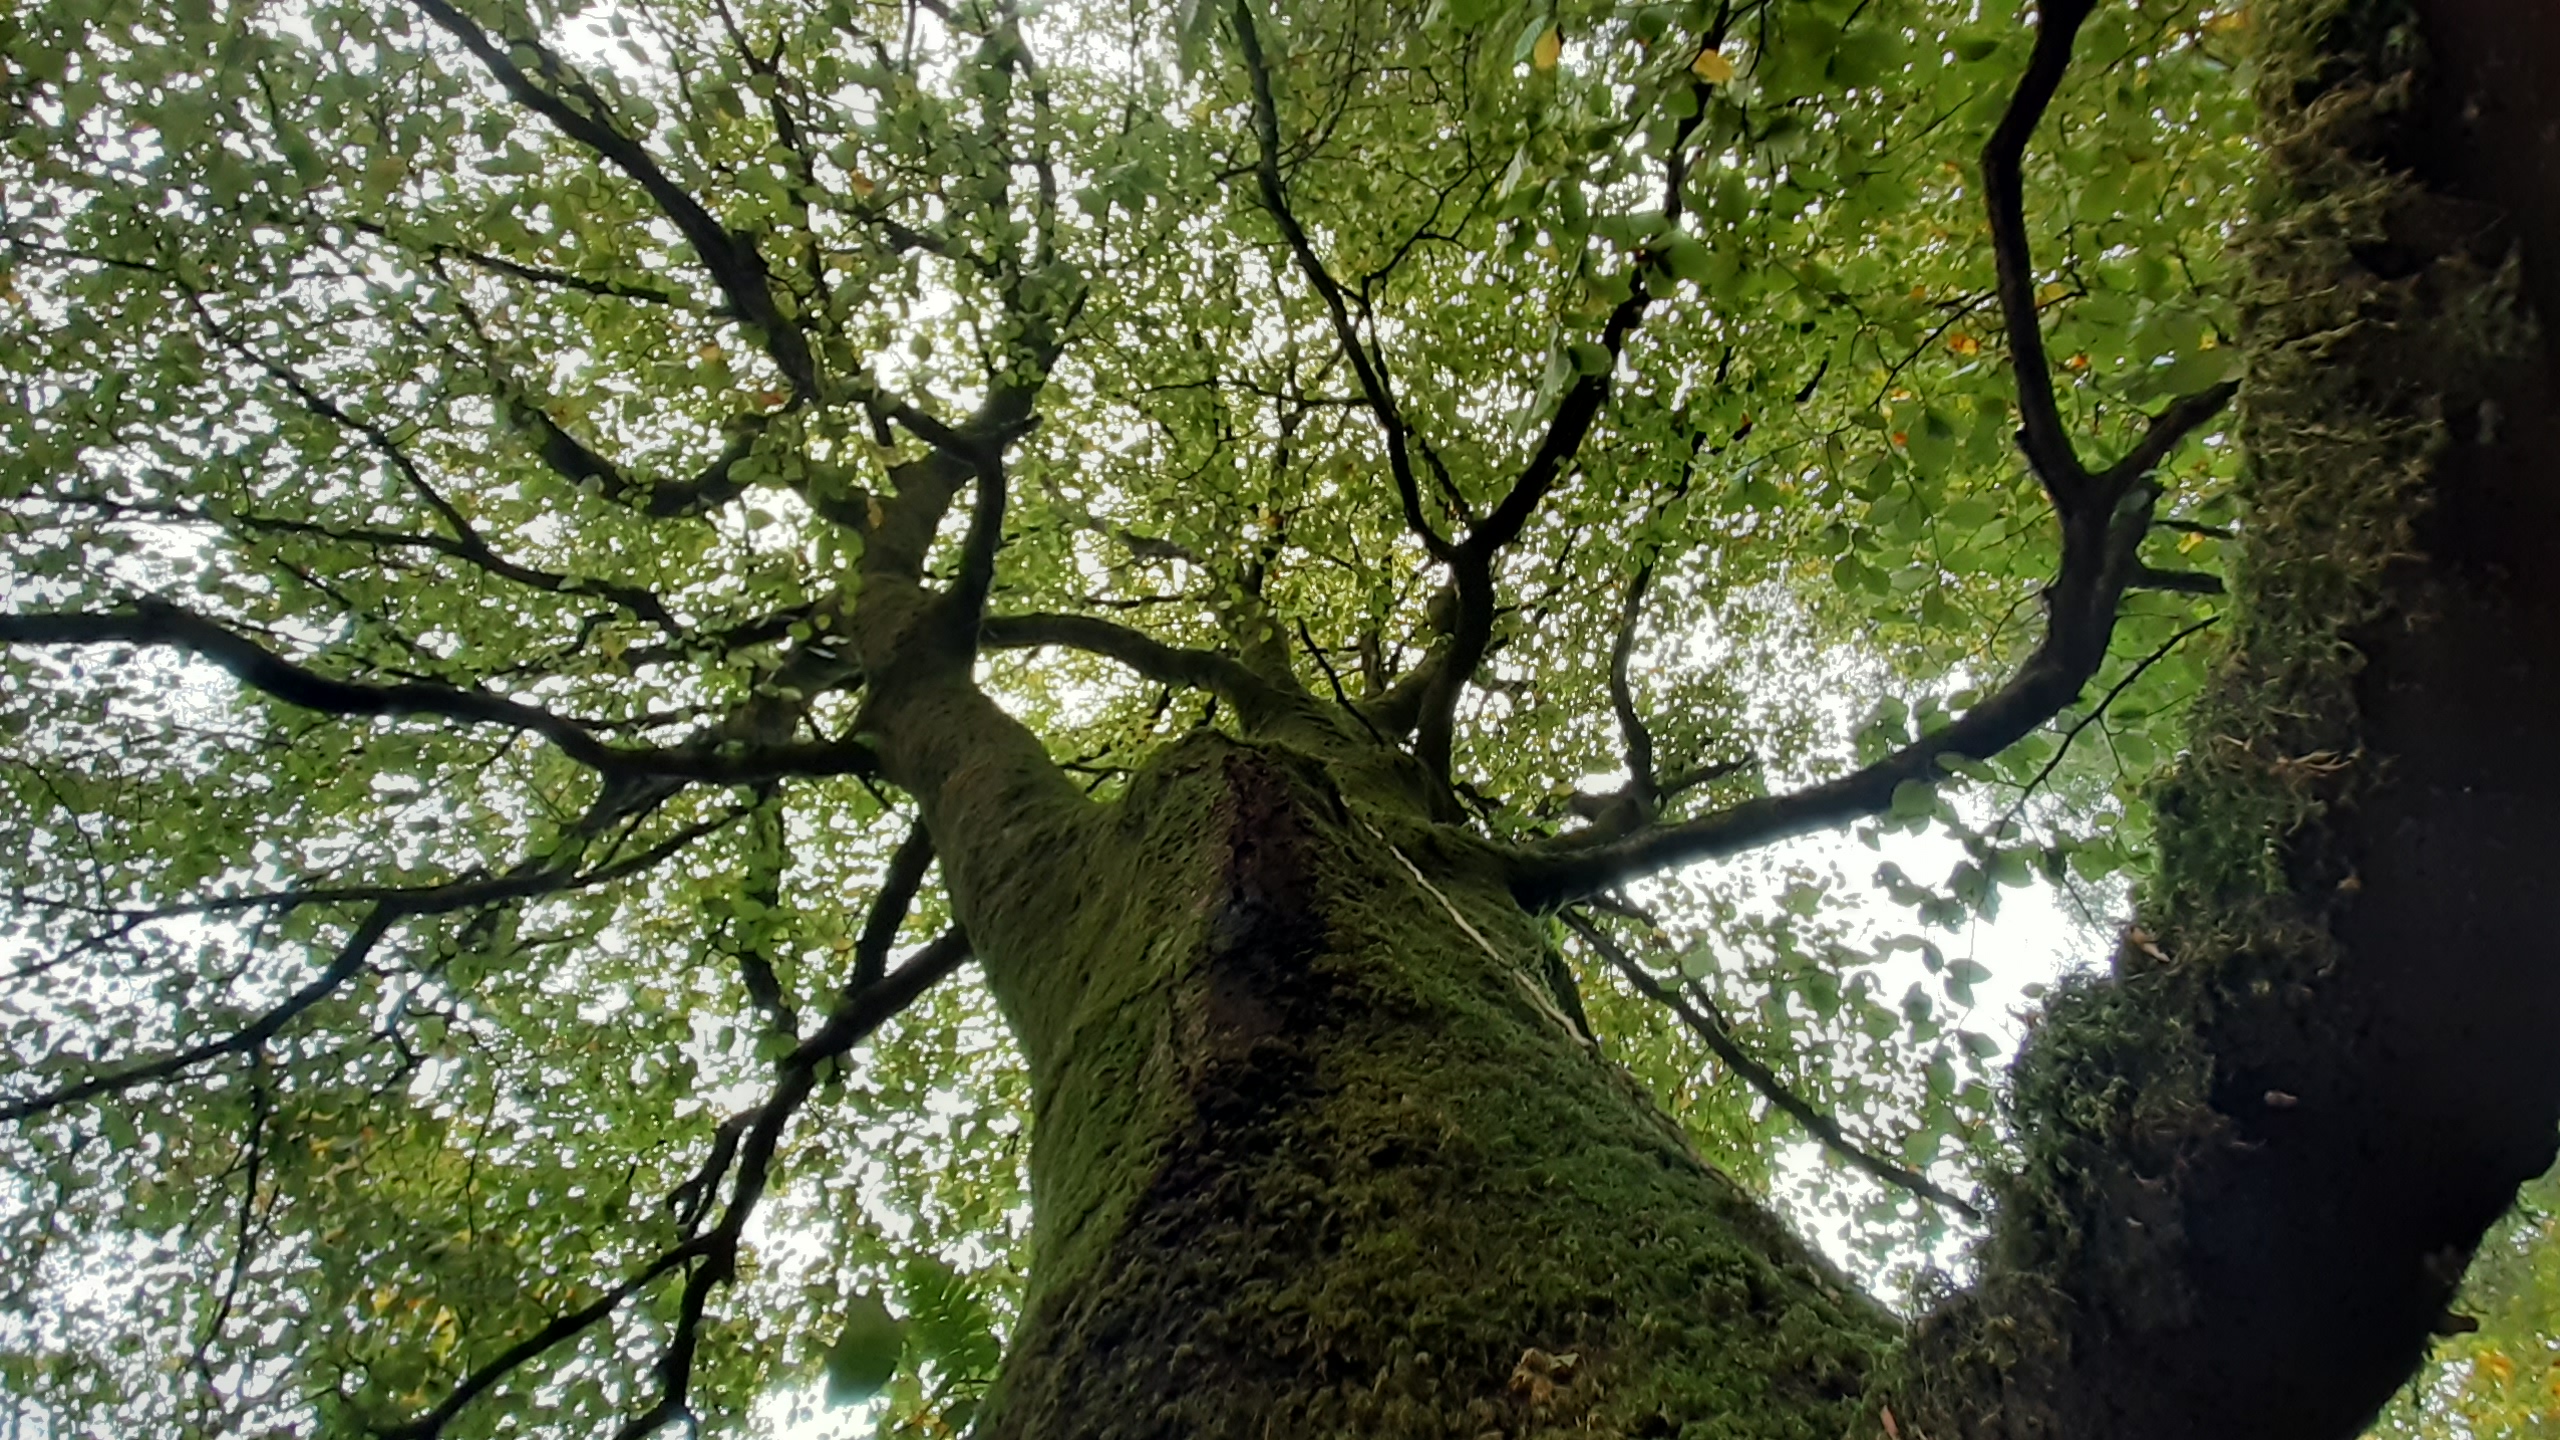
{"x":898,"y":885}
{"x":2103,"y":517}
{"x":2041,"y":434}
{"x":156,"y":622}
{"x":1220,"y":674}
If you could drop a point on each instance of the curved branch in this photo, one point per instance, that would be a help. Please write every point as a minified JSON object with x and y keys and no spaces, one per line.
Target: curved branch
{"x":2041,"y":434}
{"x":1708,"y":1025}
{"x":562,"y":1329}
{"x":1208,"y":670}
{"x":351,"y":958}
{"x":567,"y":100}
{"x":1639,"y":740}
{"x":466,"y":542}
{"x":2104,"y":517}
{"x":156,"y":622}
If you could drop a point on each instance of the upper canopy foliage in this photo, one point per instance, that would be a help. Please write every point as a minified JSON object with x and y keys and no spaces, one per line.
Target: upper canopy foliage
{"x":507,"y":398}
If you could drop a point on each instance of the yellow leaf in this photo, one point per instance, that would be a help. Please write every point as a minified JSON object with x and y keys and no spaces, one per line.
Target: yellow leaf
{"x":2498,"y":1367}
{"x":1963,"y":344}
{"x":1549,"y":47}
{"x":1712,"y":67}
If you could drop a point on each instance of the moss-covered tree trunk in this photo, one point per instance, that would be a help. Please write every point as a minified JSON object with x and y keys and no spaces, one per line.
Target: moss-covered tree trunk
{"x":1315,"y":1150}
{"x":1317,"y":1153}
{"x":2258,"y":1155}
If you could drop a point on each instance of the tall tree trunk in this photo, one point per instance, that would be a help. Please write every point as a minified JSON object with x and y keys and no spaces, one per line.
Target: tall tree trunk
{"x":1316,"y":1154}
{"x":2258,"y":1156}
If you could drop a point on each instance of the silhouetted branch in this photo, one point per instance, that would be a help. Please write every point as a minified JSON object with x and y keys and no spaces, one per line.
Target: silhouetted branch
{"x":466,"y":542}
{"x":898,"y":886}
{"x":567,"y":100}
{"x":351,"y":958}
{"x":856,"y":1014}
{"x":1375,"y":383}
{"x":1209,"y":670}
{"x":388,"y":907}
{"x":1622,"y":700}
{"x":2104,"y":517}
{"x":2177,"y":582}
{"x":2096,"y":713}
{"x":156,"y":622}
{"x":1708,"y":1025}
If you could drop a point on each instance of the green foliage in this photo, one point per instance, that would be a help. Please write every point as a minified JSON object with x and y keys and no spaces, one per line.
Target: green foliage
{"x":2503,"y":1378}
{"x":306,"y":325}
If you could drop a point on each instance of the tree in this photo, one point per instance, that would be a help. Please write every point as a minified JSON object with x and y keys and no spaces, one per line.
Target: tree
{"x":1162,"y":506}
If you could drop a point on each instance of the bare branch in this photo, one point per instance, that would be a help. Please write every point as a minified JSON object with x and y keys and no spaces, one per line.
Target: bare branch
{"x":714,"y":485}
{"x":466,"y":542}
{"x":562,"y":1329}
{"x":2176,"y":582}
{"x":863,"y":1008}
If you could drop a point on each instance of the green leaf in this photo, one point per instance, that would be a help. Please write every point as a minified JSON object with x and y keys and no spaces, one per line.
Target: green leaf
{"x":865,"y":1354}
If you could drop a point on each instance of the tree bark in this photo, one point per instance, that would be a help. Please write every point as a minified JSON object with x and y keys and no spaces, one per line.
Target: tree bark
{"x":2258,"y":1155}
{"x":1315,"y":1154}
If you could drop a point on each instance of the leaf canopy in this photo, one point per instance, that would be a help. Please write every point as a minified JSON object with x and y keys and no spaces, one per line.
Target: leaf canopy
{"x":539,"y":377}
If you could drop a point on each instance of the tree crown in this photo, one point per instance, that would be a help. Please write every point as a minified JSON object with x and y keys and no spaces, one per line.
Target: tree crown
{"x":473,"y":465}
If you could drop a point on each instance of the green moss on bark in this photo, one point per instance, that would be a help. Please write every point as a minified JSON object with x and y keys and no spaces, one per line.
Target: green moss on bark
{"x":1317,"y":1154}
{"x":2369,"y":330}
